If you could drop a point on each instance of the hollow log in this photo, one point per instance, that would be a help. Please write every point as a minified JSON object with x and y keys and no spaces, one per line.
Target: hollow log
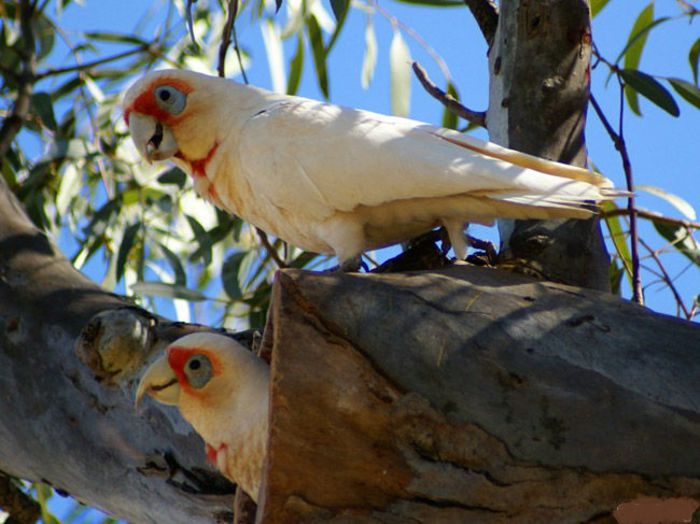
{"x":473,"y":395}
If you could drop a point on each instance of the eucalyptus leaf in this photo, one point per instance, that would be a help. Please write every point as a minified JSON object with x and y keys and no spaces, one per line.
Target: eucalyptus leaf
{"x":230,"y":275}
{"x":400,"y":70}
{"x":679,"y":203}
{"x":319,"y":54}
{"x":296,"y":67}
{"x":647,"y":86}
{"x":128,"y":240}
{"x":693,"y":58}
{"x":43,"y":108}
{"x":163,"y":289}
{"x":681,"y":239}
{"x":689,"y":92}
{"x":597,"y":6}
{"x":369,"y":61}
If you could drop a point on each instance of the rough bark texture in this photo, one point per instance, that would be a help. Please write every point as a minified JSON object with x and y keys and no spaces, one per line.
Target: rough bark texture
{"x":539,"y":73}
{"x":58,"y":423}
{"x":473,"y":395}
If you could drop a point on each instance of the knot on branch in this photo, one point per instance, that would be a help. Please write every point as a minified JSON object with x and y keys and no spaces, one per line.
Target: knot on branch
{"x":114,"y":343}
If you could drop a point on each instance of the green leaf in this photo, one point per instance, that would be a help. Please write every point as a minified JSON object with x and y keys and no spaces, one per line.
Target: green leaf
{"x":175,"y":264}
{"x":45,"y":34}
{"x":340,"y":9}
{"x":679,"y":203}
{"x":400,"y":70}
{"x":319,"y":53}
{"x":633,"y":55}
{"x":369,"y":61}
{"x":203,"y":239}
{"x":108,"y":36}
{"x":690,"y":92}
{"x":650,"y":88}
{"x":693,"y":58}
{"x":163,"y":289}
{"x":296,"y":67}
{"x":103,"y":217}
{"x":229,"y":275}
{"x":174,"y":176}
{"x":449,"y":119}
{"x":43,"y":108}
{"x":125,"y":248}
{"x":597,"y":6}
{"x":681,"y":239}
{"x":638,"y":37}
{"x":618,"y":238}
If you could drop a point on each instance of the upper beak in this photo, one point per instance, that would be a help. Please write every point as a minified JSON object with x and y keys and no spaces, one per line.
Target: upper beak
{"x":154,"y":140}
{"x":160,"y":382}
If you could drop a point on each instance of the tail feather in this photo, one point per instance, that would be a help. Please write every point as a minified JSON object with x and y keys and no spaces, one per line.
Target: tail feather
{"x":527,"y":161}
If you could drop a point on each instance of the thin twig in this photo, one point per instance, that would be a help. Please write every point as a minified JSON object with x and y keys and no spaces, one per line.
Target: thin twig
{"x":451,"y":103}
{"x":652,"y":215}
{"x":229,"y":31}
{"x":667,"y":279}
{"x":13,"y":123}
{"x":619,"y":142}
{"x":89,"y":65}
{"x":270,"y":249}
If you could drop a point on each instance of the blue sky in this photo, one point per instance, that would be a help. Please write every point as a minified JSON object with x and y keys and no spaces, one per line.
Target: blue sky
{"x":664,"y":150}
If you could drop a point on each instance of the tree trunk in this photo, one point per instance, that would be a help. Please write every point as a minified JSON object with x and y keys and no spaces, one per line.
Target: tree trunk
{"x":539,"y":84}
{"x":473,"y":395}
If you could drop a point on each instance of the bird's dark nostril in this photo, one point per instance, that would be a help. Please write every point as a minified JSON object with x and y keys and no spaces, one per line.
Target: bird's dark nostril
{"x":157,"y":137}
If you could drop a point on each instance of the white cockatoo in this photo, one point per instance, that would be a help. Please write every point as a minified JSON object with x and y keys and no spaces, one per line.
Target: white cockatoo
{"x":221,"y":389}
{"x":341,"y":181}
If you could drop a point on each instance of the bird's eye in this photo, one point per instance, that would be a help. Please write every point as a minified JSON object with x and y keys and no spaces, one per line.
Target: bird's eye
{"x":198,"y":370}
{"x":170,"y":99}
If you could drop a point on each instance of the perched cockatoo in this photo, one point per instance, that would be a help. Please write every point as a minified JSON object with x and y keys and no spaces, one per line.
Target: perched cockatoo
{"x":221,"y":389}
{"x":336,"y":180}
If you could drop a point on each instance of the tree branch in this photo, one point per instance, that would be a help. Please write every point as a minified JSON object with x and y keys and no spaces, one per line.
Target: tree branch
{"x":651,"y":215}
{"x":88,"y":65}
{"x":619,"y":142}
{"x":475,"y":117}
{"x":229,"y":31}
{"x":12,"y":124}
{"x":485,"y":12}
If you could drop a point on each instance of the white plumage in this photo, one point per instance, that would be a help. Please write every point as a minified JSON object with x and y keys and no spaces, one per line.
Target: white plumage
{"x":336,"y":180}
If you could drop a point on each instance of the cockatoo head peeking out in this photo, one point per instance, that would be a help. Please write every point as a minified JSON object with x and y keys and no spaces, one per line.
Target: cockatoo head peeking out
{"x":221,"y":389}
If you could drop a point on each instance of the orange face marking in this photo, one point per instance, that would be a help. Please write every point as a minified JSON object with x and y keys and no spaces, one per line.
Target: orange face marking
{"x":146,"y":103}
{"x":178,"y":357}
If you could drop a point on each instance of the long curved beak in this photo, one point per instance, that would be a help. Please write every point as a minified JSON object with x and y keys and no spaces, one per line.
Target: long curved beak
{"x":154,"y":140}
{"x":160,"y":382}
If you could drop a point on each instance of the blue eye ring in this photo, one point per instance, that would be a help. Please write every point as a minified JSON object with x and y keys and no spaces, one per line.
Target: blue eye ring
{"x":170,"y":99}
{"x":199,"y":370}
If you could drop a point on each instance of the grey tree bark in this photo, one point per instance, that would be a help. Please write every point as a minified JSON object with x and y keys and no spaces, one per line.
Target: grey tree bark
{"x":539,"y":83}
{"x":58,"y":423}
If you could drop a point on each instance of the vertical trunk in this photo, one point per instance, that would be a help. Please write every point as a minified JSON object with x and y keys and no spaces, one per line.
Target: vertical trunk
{"x":539,"y":68}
